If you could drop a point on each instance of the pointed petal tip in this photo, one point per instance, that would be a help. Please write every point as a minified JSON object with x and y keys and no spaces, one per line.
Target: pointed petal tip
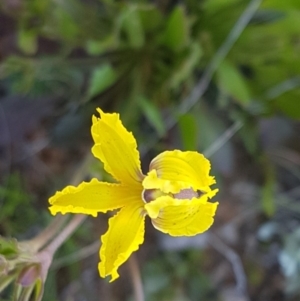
{"x":113,"y":275}
{"x":116,"y":147}
{"x":93,"y":197}
{"x":212,"y":193}
{"x":99,"y":111}
{"x":124,"y":236}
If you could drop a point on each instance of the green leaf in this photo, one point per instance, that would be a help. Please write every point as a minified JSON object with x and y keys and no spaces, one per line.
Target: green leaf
{"x":187,"y":67}
{"x":152,"y":114}
{"x":176,"y":34}
{"x":282,"y":5}
{"x":8,"y":247}
{"x":188,"y":131}
{"x":101,"y":79}
{"x":232,"y":82}
{"x":96,"y":47}
{"x":66,"y":26}
{"x":27,"y":41}
{"x":133,"y":27}
{"x":217,"y":4}
{"x":289,"y":104}
{"x":151,"y":18}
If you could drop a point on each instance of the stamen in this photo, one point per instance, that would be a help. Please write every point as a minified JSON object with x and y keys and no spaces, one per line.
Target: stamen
{"x":188,"y":193}
{"x":149,"y":195}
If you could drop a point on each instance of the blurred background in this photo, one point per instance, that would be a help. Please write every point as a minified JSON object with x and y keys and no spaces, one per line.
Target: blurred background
{"x":218,"y":76}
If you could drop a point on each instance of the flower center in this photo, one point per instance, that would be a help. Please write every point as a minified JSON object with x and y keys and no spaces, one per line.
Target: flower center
{"x":187,"y":194}
{"x":149,"y":195}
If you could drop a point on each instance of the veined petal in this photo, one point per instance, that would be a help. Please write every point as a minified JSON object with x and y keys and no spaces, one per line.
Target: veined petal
{"x":172,"y":171}
{"x":116,"y":148}
{"x":93,"y":197}
{"x":124,"y":235}
{"x":183,"y":217}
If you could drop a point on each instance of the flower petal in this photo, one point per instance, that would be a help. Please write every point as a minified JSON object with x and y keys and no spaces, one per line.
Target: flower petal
{"x":182,"y":217}
{"x":94,"y":197}
{"x":125,"y":234}
{"x":155,"y":207}
{"x":116,"y":148}
{"x":172,"y":171}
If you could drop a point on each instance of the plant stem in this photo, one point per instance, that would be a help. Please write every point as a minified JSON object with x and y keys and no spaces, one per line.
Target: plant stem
{"x":38,"y":242}
{"x":136,"y":279}
{"x":47,"y":234}
{"x":65,"y":233}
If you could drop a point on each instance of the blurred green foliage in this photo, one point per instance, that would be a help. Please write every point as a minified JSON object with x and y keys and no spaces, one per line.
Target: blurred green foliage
{"x":13,"y":198}
{"x":176,"y":276}
{"x":139,"y":57}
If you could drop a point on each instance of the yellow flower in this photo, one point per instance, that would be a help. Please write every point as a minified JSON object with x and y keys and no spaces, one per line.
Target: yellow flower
{"x":174,"y":193}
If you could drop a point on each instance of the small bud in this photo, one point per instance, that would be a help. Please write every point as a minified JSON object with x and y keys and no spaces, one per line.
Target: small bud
{"x":29,"y":275}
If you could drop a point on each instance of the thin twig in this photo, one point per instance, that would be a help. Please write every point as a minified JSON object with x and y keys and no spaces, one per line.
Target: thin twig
{"x":223,"y":139}
{"x":287,"y":154}
{"x":287,"y":164}
{"x":283,"y":87}
{"x":47,"y":234}
{"x":236,"y":263}
{"x":76,"y":256}
{"x":65,"y":233}
{"x":136,"y":278}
